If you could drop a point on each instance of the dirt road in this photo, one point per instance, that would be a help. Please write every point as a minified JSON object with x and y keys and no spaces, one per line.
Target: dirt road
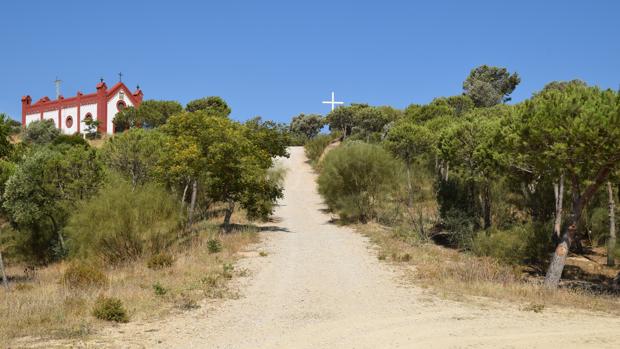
{"x":322,"y":286}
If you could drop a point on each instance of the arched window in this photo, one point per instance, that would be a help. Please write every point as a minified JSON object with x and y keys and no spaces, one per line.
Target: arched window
{"x":120,"y":105}
{"x":88,"y":117}
{"x":69,"y":121}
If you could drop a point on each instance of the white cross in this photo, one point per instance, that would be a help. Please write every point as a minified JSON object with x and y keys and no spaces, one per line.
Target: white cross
{"x":332,"y":102}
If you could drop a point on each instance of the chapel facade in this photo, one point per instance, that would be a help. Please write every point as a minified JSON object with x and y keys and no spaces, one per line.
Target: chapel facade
{"x":70,"y":113}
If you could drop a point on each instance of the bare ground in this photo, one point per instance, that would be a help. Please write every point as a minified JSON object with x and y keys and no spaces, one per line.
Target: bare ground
{"x":322,"y":286}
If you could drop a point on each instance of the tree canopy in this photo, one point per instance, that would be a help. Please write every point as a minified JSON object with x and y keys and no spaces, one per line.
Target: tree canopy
{"x":213,"y":105}
{"x":488,"y":86}
{"x":308,"y":125}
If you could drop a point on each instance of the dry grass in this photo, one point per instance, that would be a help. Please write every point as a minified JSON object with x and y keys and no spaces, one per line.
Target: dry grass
{"x":98,"y":142}
{"x":44,"y":307}
{"x":456,"y":275}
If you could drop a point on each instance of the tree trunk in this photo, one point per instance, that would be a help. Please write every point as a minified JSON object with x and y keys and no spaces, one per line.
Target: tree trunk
{"x":61,"y":239}
{"x":554,"y":273}
{"x":5,"y":281}
{"x":611,"y":243}
{"x":409,"y":186}
{"x":228,"y":215}
{"x":579,"y":200}
{"x":184,"y":195}
{"x":192,"y":205}
{"x":558,"y":190}
{"x":486,"y":201}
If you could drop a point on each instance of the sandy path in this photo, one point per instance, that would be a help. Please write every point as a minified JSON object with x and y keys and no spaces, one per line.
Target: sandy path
{"x":321,"y":287}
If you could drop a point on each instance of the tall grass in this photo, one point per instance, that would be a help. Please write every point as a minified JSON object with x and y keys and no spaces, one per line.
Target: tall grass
{"x":46,"y":306}
{"x":456,"y":275}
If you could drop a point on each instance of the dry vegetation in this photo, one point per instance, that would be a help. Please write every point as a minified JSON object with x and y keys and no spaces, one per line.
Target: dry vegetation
{"x":43,"y":304}
{"x":455,"y":275}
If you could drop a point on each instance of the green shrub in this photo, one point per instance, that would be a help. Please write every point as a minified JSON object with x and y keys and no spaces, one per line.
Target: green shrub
{"x":110,"y":309}
{"x":227,"y":270}
{"x":524,"y":243}
{"x":357,"y":179}
{"x":214,"y":245}
{"x":41,"y":132}
{"x":71,"y":140}
{"x":83,"y":275}
{"x":315,"y":147}
{"x":460,"y":228}
{"x":599,"y":225}
{"x":120,"y":224}
{"x":406,"y":234}
{"x":160,"y":260}
{"x":159,"y":289}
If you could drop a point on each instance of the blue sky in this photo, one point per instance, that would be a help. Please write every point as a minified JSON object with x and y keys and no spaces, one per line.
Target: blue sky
{"x":279,"y":58}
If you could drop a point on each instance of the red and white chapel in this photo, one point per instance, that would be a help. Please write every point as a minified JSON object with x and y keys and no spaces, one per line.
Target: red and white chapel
{"x":70,"y":113}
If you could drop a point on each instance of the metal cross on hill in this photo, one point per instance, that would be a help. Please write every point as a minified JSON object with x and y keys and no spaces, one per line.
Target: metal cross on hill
{"x":333,"y":102}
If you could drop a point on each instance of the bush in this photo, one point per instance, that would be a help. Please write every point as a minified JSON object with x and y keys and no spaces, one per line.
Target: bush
{"x":159,"y":289}
{"x":460,"y":228}
{"x":110,"y":309}
{"x":83,"y":275}
{"x":525,"y":243}
{"x":71,"y":140}
{"x":120,"y":224}
{"x":315,"y":147}
{"x":160,"y":261}
{"x":214,"y":245}
{"x":357,"y":179}
{"x":41,"y":132}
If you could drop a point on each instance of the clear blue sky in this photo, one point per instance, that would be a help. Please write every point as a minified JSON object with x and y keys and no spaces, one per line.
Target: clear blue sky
{"x":279,"y":58}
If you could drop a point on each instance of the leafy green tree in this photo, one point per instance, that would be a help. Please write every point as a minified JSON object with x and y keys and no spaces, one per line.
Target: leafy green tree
{"x":341,"y":119}
{"x":571,"y":131}
{"x":237,"y":167}
{"x":41,"y":132}
{"x":184,"y":161}
{"x":44,"y":188}
{"x":308,"y":125}
{"x":270,"y":137}
{"x":468,"y":146}
{"x":422,"y":113}
{"x":488,"y":86}
{"x":230,"y":161}
{"x":14,"y":126}
{"x":562,"y":85}
{"x":135,"y":154}
{"x":410,"y":142}
{"x":369,"y":122}
{"x":158,"y":112}
{"x":5,"y":131}
{"x":460,"y":105}
{"x":360,"y":119}
{"x":91,"y":128}
{"x":212,"y":105}
{"x":151,"y":113}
